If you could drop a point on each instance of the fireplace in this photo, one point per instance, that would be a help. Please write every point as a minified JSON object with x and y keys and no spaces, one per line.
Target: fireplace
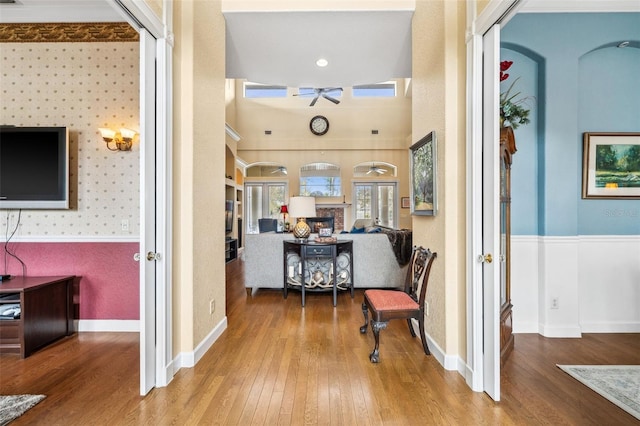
{"x":337,"y":211}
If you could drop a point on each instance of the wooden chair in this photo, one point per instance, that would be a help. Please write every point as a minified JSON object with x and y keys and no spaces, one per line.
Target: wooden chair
{"x":388,"y":304}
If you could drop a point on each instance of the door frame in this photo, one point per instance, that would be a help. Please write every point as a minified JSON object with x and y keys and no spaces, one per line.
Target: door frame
{"x":481,"y":376}
{"x":156,"y":120}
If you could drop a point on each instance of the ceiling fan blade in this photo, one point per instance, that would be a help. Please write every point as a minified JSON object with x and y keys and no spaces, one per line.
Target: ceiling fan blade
{"x":329,"y":98}
{"x":313,"y":102}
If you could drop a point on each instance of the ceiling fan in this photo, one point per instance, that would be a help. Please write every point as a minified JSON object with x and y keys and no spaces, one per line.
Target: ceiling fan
{"x":325,"y":92}
{"x":374,"y":169}
{"x":280,"y":169}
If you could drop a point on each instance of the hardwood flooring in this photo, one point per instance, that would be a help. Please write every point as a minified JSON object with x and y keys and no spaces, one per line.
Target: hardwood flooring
{"x":278,"y":363}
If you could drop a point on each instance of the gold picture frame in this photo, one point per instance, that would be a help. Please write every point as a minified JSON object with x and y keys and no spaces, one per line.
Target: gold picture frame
{"x":611,"y":165}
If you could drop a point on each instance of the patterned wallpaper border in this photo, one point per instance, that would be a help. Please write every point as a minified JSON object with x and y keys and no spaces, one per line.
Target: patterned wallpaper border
{"x":63,"y":32}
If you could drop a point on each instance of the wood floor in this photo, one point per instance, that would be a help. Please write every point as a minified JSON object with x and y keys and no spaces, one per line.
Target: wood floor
{"x":280,"y":364}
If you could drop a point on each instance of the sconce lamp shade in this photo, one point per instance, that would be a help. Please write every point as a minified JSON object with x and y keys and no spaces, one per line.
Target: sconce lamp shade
{"x":127,"y":133}
{"x":302,"y":207}
{"x":283,"y":209}
{"x":107,"y":133}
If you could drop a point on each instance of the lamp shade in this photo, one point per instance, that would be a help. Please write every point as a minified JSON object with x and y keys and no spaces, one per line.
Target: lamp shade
{"x":302,"y":207}
{"x":283,"y":209}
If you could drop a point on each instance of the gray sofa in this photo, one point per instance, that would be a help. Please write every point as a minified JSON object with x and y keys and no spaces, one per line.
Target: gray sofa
{"x":374,"y":261}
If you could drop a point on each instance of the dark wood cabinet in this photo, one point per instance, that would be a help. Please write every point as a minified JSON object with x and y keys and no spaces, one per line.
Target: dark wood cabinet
{"x":230,"y":250}
{"x":46,"y":313}
{"x":507,"y":149}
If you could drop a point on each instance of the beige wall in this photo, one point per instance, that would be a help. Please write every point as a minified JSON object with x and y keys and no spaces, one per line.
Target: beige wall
{"x":199,"y":163}
{"x":438,"y":104}
{"x":37,"y":91}
{"x":349,"y":141}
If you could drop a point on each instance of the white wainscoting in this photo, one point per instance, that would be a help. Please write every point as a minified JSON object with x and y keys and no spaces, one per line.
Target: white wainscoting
{"x":595,"y":280}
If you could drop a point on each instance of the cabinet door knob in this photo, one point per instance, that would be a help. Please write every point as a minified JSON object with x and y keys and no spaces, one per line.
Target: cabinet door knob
{"x":486,"y":258}
{"x":136,"y":257}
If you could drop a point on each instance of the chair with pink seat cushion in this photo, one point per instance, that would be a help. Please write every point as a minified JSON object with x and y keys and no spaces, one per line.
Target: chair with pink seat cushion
{"x":388,"y":304}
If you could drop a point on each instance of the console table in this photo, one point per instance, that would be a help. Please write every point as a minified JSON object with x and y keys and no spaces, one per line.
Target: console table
{"x":46,"y":305}
{"x":333,"y":263}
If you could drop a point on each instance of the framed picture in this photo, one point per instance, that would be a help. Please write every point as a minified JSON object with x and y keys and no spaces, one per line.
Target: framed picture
{"x":404,"y":202}
{"x":324,"y":232}
{"x":423,"y":158}
{"x":611,"y":165}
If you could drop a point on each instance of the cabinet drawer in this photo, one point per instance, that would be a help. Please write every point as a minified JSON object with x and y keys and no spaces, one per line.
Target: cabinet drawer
{"x":9,"y":331}
{"x":318,"y":251}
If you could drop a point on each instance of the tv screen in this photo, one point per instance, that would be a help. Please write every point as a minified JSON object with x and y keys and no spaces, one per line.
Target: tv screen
{"x":228,"y":216}
{"x":34,"y":168}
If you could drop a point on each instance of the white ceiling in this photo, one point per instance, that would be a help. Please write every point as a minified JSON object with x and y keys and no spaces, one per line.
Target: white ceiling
{"x":281,"y":48}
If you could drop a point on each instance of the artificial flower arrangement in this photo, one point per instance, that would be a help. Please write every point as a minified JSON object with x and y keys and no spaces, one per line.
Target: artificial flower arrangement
{"x":512,"y":111}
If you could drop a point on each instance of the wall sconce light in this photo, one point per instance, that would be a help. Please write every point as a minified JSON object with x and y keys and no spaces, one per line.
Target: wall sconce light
{"x":123,"y":139}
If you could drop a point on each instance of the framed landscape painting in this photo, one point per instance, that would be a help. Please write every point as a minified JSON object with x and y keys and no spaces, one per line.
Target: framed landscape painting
{"x":423,"y":198}
{"x":611,"y":165}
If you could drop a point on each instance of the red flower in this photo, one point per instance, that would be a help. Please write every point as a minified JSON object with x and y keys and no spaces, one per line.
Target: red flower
{"x":504,"y":65}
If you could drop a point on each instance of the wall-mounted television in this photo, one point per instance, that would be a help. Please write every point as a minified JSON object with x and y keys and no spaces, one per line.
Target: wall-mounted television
{"x":228,"y":216}
{"x":34,"y":167}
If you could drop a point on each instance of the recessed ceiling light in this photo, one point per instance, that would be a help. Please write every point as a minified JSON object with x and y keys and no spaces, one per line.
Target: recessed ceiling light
{"x":322,"y":62}
{"x":623,"y":44}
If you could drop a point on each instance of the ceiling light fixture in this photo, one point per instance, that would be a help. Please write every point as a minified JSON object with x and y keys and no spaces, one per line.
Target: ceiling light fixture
{"x":623,"y":44}
{"x":322,"y":62}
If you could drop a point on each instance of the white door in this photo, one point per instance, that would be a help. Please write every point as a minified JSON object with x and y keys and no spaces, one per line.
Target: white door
{"x":148,"y":254}
{"x":491,"y":212}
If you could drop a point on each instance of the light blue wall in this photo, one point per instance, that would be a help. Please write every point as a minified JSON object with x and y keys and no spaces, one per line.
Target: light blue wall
{"x":582,"y":83}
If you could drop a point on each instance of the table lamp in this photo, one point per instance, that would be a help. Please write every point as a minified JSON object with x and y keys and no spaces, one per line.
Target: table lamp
{"x":302,"y":208}
{"x":284,"y":211}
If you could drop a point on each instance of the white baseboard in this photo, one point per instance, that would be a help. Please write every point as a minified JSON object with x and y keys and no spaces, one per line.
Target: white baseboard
{"x":611,"y":327}
{"x":132,"y":326}
{"x":449,"y":362}
{"x":560,"y":331}
{"x":190,"y":359}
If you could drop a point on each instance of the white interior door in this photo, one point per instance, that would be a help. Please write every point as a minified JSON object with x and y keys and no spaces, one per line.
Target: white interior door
{"x":148,"y":253}
{"x":491,"y":212}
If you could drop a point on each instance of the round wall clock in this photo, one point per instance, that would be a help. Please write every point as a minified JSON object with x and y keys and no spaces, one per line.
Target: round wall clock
{"x":319,"y":125}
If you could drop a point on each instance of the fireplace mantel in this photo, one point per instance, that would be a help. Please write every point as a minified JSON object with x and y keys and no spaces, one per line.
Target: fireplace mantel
{"x":332,"y":205}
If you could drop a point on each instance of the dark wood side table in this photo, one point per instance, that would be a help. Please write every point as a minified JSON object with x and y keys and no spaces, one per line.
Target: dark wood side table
{"x":323,"y":254}
{"x":46,"y":305}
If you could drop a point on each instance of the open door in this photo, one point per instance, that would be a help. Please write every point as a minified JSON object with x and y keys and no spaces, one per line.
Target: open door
{"x":148,"y":254}
{"x":491,"y":213}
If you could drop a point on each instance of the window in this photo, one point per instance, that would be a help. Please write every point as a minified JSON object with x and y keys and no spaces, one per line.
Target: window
{"x":256,"y":90}
{"x":381,"y":90}
{"x":263,"y":200}
{"x":376,"y":200}
{"x":320,"y":180}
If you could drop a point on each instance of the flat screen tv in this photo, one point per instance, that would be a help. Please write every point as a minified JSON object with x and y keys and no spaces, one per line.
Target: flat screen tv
{"x":34,"y":167}
{"x":228,"y":216}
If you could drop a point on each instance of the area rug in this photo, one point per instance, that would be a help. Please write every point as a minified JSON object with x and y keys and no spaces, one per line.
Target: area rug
{"x":13,"y":406}
{"x":619,"y":384}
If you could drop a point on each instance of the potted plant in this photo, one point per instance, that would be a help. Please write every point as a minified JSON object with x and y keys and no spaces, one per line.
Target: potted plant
{"x":512,"y":110}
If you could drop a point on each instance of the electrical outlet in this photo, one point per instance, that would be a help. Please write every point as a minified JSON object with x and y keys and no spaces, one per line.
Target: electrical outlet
{"x":555,"y":303}
{"x":212,"y":306}
{"x":125,"y":224}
